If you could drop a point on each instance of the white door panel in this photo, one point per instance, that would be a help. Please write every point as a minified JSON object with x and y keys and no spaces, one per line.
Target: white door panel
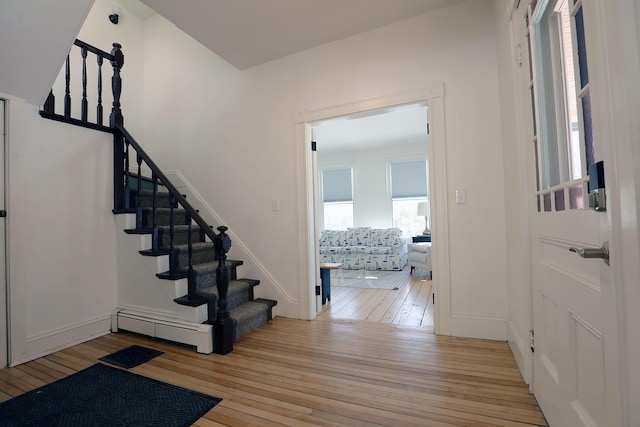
{"x":571,"y":312}
{"x":568,"y":321}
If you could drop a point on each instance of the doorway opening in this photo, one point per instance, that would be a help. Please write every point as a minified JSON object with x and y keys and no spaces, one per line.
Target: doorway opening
{"x":311,"y":124}
{"x":372,"y":175}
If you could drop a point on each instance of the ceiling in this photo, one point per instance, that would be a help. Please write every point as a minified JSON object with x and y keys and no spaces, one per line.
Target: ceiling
{"x":247,"y":33}
{"x":34,"y":41}
{"x":395,"y":125}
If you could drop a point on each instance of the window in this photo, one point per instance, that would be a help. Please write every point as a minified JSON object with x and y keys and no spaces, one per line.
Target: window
{"x":561,"y":107}
{"x":408,"y":188}
{"x":337,"y":198}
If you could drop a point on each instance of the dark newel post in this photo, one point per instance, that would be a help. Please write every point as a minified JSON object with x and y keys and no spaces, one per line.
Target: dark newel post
{"x":223,"y":330}
{"x":116,"y":85}
{"x":118,"y":139}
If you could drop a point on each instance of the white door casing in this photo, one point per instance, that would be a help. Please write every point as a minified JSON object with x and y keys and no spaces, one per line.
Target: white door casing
{"x":3,"y":282}
{"x":315,"y":209}
{"x":433,"y":94}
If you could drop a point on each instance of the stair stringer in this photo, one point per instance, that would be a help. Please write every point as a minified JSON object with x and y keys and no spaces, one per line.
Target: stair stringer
{"x":145,"y":302}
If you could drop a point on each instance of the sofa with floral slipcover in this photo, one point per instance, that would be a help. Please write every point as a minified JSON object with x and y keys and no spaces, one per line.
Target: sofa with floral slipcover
{"x":364,"y":248}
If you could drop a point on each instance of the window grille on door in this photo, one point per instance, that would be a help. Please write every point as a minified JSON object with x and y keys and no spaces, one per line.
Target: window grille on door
{"x":562,"y":133}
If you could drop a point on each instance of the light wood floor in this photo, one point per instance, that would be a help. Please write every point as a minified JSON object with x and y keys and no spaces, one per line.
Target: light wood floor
{"x":328,"y":373}
{"x":411,"y":304}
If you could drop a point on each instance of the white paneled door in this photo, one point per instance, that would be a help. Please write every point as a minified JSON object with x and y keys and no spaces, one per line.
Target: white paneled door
{"x":563,"y":63}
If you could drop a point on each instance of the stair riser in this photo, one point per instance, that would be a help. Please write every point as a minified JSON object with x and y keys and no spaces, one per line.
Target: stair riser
{"x":244,"y":320}
{"x":180,"y":236}
{"x":236,"y":295}
{"x":248,"y":325}
{"x":207,"y":279}
{"x":163,"y":217}
{"x":198,"y":256}
{"x":234,"y":300}
{"x":163,"y":200}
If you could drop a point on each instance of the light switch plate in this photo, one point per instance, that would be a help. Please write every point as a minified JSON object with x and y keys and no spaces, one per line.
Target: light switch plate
{"x":461,"y":197}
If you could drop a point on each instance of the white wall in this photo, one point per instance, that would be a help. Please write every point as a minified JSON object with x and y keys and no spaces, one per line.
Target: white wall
{"x":62,"y":271}
{"x":232,"y":134}
{"x":61,"y":233}
{"x":372,"y":198}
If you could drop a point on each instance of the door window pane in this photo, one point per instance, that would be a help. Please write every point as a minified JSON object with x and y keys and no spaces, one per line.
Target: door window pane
{"x":576,"y":200}
{"x":559,"y":199}
{"x":561,"y":104}
{"x":588,"y":130}
{"x":582,"y":48}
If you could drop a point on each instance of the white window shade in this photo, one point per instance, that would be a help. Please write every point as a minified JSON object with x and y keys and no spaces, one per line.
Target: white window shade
{"x":337,"y":185}
{"x":409,"y":179}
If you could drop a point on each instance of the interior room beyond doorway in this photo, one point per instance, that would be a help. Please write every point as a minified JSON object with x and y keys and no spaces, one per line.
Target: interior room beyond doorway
{"x":372,"y":171}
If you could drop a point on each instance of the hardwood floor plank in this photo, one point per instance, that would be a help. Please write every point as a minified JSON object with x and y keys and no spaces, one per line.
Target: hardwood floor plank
{"x":293,"y":372}
{"x":374,"y":297}
{"x":335,"y":371}
{"x":377,"y":314}
{"x":204,"y":422}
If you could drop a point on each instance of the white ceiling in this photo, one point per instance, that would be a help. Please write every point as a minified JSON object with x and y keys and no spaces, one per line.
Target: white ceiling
{"x":35,"y":38}
{"x":246,"y":33}
{"x":400,"y":125}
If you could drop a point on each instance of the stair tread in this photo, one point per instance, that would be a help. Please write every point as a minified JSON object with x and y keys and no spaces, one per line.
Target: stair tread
{"x":211,"y":266}
{"x":202,"y":268}
{"x":270,"y":302}
{"x":194,"y":246}
{"x":234,"y":286}
{"x":247,"y":309}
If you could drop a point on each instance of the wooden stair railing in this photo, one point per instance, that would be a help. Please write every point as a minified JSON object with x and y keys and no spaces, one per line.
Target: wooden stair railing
{"x":116,"y":58}
{"x":123,"y":143}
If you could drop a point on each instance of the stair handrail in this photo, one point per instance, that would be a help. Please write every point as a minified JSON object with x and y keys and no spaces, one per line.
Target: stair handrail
{"x":193,"y":213}
{"x":223,"y":325}
{"x":122,"y":140}
{"x":116,"y":59}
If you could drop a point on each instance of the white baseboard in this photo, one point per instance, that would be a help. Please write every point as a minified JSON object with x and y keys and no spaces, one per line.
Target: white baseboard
{"x":155,"y":325}
{"x":479,"y":326}
{"x":68,"y":336}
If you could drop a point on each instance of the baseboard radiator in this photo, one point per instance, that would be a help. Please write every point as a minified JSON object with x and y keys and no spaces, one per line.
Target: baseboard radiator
{"x":196,"y":334}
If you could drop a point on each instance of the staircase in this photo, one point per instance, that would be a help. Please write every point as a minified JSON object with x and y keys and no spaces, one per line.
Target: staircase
{"x":180,"y":285}
{"x":191,"y":254}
